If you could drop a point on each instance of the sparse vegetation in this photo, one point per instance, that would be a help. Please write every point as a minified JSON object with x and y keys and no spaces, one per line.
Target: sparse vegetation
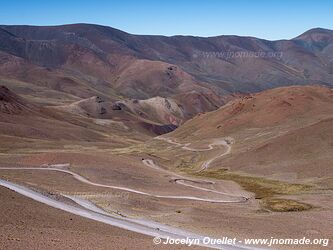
{"x":264,"y":189}
{"x":260,"y":186}
{"x":284,"y":205}
{"x":188,"y":162}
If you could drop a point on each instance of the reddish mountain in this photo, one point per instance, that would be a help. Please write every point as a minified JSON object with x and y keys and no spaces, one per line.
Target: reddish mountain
{"x":58,"y":65}
{"x":105,"y":54}
{"x":283,"y":133}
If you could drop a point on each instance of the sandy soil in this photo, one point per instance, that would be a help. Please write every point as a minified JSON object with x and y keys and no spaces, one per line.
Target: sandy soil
{"x":27,"y":224}
{"x":206,"y":218}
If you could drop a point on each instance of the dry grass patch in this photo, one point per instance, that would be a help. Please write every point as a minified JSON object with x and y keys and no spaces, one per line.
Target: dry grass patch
{"x":284,"y":205}
{"x":261,"y":187}
{"x":264,"y":189}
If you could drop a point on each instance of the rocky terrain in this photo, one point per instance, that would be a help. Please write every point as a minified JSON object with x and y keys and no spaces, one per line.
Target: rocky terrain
{"x":187,"y":135}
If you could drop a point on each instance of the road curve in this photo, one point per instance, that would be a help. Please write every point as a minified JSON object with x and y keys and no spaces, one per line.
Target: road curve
{"x":223,"y":141}
{"x":90,"y":211}
{"x":86,"y":181}
{"x":206,"y":164}
{"x":181,"y":180}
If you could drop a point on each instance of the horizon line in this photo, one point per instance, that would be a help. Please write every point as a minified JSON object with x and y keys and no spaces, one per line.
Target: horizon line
{"x":161,"y":35}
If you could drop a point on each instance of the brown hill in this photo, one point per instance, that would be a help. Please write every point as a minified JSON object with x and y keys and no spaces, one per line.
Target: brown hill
{"x":281,"y":133}
{"x":22,"y":123}
{"x":157,"y":115}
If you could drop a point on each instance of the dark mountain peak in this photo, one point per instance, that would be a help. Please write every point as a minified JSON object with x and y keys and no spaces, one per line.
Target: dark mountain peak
{"x":315,"y":39}
{"x":317,"y":30}
{"x":315,"y":34}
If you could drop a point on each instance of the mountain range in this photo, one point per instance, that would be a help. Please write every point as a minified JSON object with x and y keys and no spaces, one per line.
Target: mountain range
{"x":82,"y":60}
{"x":69,"y":64}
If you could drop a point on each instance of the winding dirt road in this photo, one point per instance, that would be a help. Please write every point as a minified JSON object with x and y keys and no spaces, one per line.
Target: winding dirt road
{"x":229,"y":199}
{"x":226,"y":142}
{"x":88,"y":210}
{"x":181,"y":180}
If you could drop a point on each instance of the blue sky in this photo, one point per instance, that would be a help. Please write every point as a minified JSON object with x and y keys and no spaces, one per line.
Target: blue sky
{"x":269,"y":19}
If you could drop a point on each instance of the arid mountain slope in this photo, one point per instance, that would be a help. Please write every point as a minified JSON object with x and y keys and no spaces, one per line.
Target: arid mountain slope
{"x":93,"y":63}
{"x":158,"y":115}
{"x":24,"y":123}
{"x":82,"y":60}
{"x":282,"y":133}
